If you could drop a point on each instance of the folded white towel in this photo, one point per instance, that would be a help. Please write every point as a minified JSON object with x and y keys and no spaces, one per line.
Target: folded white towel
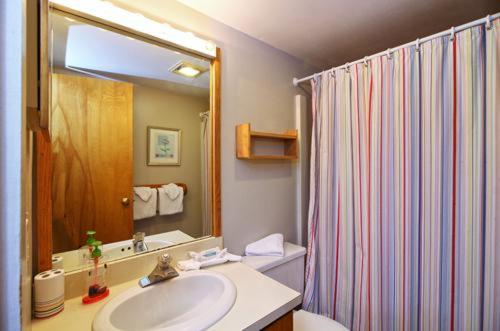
{"x":143,"y":192}
{"x":187,"y":265}
{"x":144,"y":202}
{"x":271,"y":245}
{"x":170,"y":199}
{"x":172,"y":190}
{"x":207,"y":258}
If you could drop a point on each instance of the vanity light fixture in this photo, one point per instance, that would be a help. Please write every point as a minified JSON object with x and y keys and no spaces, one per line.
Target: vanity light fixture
{"x":187,"y":69}
{"x":105,"y":11}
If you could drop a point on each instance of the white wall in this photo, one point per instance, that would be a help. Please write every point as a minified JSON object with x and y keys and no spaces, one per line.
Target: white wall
{"x":257,"y":197}
{"x":11,"y":158}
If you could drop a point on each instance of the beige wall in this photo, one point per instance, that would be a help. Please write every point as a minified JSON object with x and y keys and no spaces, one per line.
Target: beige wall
{"x":257,"y":197}
{"x":154,"y":107}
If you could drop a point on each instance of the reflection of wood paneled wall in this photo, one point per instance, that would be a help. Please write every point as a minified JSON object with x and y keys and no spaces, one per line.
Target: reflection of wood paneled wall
{"x":91,"y":129}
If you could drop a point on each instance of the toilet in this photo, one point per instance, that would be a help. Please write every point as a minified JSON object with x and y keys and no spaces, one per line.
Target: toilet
{"x":289,"y":271}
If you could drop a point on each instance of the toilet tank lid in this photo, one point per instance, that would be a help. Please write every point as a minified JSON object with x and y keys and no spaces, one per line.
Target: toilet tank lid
{"x":264,"y":263}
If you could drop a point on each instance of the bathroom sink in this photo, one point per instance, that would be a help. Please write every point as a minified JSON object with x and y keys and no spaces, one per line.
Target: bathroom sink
{"x":193,"y":301}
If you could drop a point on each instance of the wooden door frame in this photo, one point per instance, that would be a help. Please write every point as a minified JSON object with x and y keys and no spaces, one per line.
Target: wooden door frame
{"x":42,"y":193}
{"x":215,"y":99}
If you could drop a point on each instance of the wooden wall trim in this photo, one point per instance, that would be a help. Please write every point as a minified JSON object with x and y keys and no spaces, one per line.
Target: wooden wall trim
{"x":43,"y":202}
{"x":215,"y":106}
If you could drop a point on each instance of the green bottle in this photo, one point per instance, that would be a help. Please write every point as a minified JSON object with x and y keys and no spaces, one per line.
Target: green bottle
{"x":96,"y":251}
{"x":90,"y":237}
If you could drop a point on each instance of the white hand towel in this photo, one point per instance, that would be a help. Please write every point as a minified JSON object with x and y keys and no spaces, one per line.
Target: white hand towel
{"x":172,"y":190}
{"x":143,"y":192}
{"x":170,"y":199}
{"x":144,"y":202}
{"x":271,"y":245}
{"x":187,"y":265}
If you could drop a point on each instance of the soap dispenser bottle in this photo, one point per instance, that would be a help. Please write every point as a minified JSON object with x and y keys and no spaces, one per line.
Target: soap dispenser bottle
{"x":86,"y":250}
{"x":95,"y":285}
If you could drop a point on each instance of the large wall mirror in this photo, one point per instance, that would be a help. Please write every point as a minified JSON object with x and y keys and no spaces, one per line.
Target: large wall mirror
{"x":133,"y":129}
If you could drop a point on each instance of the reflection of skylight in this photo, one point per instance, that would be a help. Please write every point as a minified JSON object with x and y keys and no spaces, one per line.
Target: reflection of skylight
{"x":187,"y":69}
{"x":104,"y":52}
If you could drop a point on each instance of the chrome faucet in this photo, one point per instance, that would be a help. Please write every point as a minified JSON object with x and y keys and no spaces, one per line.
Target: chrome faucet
{"x":161,"y":272}
{"x":139,"y":243}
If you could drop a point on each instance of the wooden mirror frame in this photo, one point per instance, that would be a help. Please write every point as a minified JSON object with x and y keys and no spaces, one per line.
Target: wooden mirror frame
{"x":42,"y":171}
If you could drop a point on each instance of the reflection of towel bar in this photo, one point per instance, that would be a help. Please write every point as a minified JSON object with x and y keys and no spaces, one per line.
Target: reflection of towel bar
{"x":184,"y":186}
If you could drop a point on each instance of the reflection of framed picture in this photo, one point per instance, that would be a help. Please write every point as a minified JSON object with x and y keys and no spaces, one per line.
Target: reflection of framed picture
{"x":164,"y":146}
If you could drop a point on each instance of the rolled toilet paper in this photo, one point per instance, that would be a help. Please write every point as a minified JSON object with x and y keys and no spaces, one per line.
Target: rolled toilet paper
{"x":57,"y":262}
{"x":49,"y":293}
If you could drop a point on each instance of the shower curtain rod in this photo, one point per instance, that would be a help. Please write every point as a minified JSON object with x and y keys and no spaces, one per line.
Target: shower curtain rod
{"x":487,"y":21}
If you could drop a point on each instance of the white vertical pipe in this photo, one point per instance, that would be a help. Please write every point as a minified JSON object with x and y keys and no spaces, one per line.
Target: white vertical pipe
{"x":301,"y":173}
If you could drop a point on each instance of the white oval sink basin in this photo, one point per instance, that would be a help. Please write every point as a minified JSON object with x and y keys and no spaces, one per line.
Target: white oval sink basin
{"x":193,"y":301}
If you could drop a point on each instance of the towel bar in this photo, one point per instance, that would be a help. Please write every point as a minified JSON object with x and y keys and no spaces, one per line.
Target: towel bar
{"x":184,"y":186}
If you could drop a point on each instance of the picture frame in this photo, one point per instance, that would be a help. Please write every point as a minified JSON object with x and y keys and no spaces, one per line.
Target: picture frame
{"x":164,"y":146}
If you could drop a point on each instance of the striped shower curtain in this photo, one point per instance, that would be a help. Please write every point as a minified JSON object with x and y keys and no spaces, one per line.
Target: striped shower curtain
{"x":404,"y":215}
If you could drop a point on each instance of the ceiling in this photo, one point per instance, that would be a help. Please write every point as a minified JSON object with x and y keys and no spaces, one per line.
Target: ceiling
{"x":332,"y":32}
{"x":97,"y":52}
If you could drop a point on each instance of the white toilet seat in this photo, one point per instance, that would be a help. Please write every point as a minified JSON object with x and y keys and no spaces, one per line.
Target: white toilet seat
{"x":306,"y":321}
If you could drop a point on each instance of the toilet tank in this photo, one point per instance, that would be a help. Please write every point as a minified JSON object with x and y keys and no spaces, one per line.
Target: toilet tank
{"x":287,"y":269}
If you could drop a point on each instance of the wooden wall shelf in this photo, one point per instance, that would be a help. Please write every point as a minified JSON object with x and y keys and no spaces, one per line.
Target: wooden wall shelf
{"x":245,"y":139}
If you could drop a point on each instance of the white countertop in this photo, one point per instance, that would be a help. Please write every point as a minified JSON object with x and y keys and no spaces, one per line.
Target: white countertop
{"x":259,"y":301}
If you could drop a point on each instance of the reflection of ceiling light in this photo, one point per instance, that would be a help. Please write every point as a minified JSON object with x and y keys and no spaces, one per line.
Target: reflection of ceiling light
{"x":69,"y":19}
{"x":108,"y":12}
{"x":187,"y":69}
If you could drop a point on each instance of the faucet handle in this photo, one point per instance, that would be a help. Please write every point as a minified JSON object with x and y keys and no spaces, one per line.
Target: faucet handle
{"x":139,"y":236}
{"x":164,"y":260}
